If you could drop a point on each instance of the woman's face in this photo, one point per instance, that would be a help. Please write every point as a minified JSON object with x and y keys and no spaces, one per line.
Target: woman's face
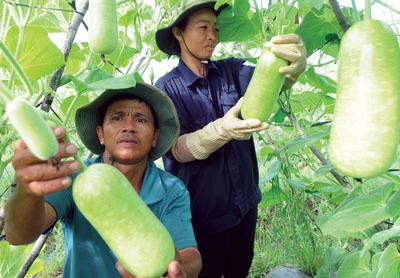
{"x":200,"y":34}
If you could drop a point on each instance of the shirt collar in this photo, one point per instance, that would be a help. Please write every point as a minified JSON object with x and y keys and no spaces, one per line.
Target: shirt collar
{"x":152,"y":190}
{"x":188,"y":76}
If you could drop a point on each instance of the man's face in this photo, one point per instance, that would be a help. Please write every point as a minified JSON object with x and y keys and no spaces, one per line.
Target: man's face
{"x":128,"y":131}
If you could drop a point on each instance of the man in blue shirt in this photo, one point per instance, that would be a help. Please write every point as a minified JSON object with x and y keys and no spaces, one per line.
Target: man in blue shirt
{"x":214,"y":155}
{"x":129,"y":129}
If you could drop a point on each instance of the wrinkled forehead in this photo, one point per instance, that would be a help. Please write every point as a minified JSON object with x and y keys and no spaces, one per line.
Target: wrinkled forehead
{"x":124,"y":104}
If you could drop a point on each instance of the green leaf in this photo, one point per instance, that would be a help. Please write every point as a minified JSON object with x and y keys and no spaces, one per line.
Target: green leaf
{"x":298,"y":143}
{"x":123,"y":82}
{"x":273,"y":196}
{"x":75,"y":101}
{"x":238,"y":25}
{"x":389,"y":263}
{"x":312,"y":3}
{"x":318,"y":28}
{"x":279,"y":116}
{"x":95,"y":75}
{"x":323,"y":170}
{"x":48,"y":21}
{"x":296,"y":184}
{"x":360,"y":213}
{"x":127,"y":18}
{"x":355,"y":265}
{"x":79,"y":85}
{"x":381,"y":237}
{"x":320,"y":81}
{"x":273,"y":171}
{"x":39,"y":55}
{"x":13,"y":257}
{"x":75,"y":58}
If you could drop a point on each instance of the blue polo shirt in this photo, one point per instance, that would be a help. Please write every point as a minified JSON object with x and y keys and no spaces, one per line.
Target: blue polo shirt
{"x":223,"y":187}
{"x":87,"y":255}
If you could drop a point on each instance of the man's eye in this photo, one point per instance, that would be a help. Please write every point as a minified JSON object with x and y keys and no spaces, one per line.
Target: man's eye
{"x":116,"y":118}
{"x":141,"y":120}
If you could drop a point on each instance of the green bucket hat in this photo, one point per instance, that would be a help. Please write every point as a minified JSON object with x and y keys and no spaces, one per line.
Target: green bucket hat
{"x":165,"y":40}
{"x":89,"y":116}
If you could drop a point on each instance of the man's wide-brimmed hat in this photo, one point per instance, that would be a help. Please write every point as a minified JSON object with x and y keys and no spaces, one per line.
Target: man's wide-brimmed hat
{"x":89,"y":116}
{"x":165,"y":40}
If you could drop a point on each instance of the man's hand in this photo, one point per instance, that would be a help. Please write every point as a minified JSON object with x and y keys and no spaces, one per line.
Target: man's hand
{"x":27,"y":215}
{"x":291,"y":48}
{"x":175,"y":270}
{"x":38,"y":177}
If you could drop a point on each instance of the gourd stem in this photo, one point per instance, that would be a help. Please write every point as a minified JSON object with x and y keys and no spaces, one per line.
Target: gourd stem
{"x":57,"y":121}
{"x":367,"y":10}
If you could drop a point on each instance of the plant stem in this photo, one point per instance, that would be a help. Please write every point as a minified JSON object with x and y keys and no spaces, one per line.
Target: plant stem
{"x":355,"y":11}
{"x":69,"y":40}
{"x":387,"y":6}
{"x":367,"y":10}
{"x":17,"y":67}
{"x":339,"y":15}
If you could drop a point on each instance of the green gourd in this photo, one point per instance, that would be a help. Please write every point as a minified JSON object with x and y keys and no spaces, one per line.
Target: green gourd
{"x":32,"y":127}
{"x":103,"y":26}
{"x":264,"y":87}
{"x":131,"y":230}
{"x":365,"y":126}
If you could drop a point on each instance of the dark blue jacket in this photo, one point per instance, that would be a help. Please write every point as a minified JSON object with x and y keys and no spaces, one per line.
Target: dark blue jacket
{"x":223,"y":187}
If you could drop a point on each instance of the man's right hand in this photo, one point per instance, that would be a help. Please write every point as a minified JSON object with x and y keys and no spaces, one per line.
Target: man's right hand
{"x":38,"y":177}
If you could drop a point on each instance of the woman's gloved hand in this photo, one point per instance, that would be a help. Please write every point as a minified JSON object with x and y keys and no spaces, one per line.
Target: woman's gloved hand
{"x":292,"y":48}
{"x":207,"y":140}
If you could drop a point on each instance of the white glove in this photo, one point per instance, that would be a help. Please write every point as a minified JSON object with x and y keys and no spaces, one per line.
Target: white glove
{"x":210,"y":138}
{"x":292,"y":48}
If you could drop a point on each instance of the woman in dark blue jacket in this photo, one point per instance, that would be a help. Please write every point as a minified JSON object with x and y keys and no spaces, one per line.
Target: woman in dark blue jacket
{"x":214,"y":154}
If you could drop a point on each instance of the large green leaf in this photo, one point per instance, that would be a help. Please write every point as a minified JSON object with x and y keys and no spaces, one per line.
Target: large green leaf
{"x":389,"y":263}
{"x":318,"y":28}
{"x":362,"y":212}
{"x":38,"y":57}
{"x":239,"y":24}
{"x":355,"y":265}
{"x":47,"y":20}
{"x":12,"y":258}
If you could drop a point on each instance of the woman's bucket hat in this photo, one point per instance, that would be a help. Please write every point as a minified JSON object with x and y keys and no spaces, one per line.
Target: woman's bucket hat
{"x":165,"y":40}
{"x":89,"y":116}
